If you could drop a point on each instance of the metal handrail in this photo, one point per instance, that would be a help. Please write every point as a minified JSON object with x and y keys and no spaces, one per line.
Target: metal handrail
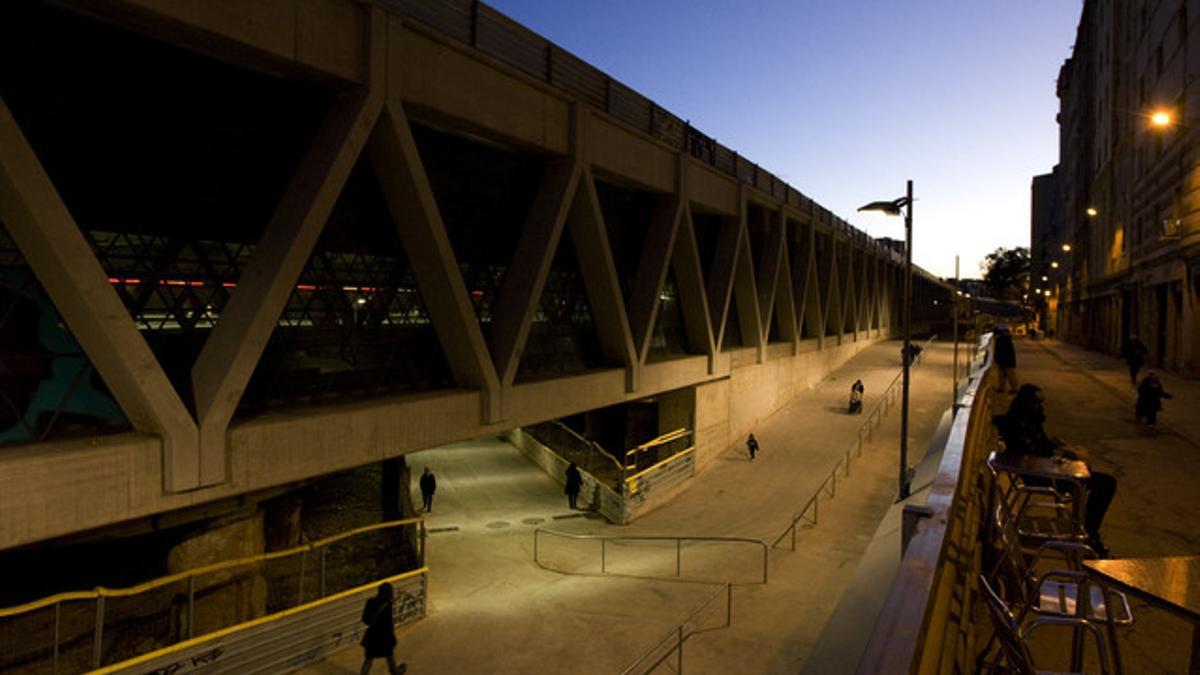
{"x":677,"y":633}
{"x":100,"y":593}
{"x":679,"y":540}
{"x":596,"y":447}
{"x":829,"y":484}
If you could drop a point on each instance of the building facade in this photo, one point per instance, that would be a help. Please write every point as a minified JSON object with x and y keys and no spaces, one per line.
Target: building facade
{"x":1046,"y":239}
{"x":1128,"y":120}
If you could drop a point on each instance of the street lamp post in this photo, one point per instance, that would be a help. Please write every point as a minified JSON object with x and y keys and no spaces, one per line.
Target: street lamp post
{"x":892,"y":208}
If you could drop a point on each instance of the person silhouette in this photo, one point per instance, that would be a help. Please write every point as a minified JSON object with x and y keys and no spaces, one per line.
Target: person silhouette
{"x":379,"y":641}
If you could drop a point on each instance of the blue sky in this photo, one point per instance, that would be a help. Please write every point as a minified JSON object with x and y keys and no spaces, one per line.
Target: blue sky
{"x":847,"y":99}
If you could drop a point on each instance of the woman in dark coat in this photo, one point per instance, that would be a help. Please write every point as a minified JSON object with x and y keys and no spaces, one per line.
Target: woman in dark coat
{"x":574,"y":484}
{"x":379,"y":642}
{"x":1149,"y":398}
{"x":1005,"y":354}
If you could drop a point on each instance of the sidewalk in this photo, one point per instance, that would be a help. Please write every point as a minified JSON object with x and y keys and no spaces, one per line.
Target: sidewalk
{"x":492,"y":610}
{"x":1089,"y":401}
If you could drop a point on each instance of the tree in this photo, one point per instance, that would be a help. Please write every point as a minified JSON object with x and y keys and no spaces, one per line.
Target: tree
{"x":1006,"y":272}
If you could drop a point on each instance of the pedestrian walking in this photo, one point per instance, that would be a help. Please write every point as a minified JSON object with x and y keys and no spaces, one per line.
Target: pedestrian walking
{"x":1134,"y":353}
{"x":379,"y":641}
{"x":574,"y":484}
{"x":856,"y":397}
{"x":1005,"y":354}
{"x":752,"y":446}
{"x":1149,"y":399}
{"x":428,"y":487}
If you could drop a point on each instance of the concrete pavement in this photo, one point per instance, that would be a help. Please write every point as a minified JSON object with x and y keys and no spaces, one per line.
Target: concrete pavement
{"x":493,"y":610}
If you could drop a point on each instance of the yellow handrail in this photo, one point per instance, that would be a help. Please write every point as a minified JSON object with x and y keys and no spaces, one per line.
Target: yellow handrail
{"x":179,"y":646}
{"x":101,"y":591}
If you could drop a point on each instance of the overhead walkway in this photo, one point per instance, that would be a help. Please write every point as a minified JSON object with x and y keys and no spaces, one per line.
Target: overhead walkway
{"x":493,"y":610}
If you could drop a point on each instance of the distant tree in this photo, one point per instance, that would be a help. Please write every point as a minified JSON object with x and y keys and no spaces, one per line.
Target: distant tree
{"x":1006,"y":271}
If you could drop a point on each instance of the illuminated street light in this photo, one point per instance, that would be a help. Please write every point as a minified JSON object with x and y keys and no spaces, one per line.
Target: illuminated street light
{"x":1054,"y":264}
{"x":1160,"y":119}
{"x":1091,"y":211}
{"x":1066,"y":248}
{"x":892,"y":208}
{"x":1045,"y":278}
{"x":1047,"y":293}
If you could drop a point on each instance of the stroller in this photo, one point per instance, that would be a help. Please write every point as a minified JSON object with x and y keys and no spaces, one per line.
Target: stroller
{"x":856,"y":397}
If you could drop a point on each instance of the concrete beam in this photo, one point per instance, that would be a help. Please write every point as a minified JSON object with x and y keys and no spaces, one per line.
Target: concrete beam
{"x":769,"y":263}
{"x":784,"y":302}
{"x":693,"y":300}
{"x":232,"y":351}
{"x":600,"y":279}
{"x":416,"y":216}
{"x":320,"y":37}
{"x":50,"y":240}
{"x":746,"y":295}
{"x":720,"y":277}
{"x":652,"y":271}
{"x":526,"y":276}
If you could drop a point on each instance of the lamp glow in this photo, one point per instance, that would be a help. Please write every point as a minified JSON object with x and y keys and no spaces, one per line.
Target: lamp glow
{"x":1161,"y":119}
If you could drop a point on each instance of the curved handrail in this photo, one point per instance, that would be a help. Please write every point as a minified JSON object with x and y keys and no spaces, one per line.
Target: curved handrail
{"x":679,"y":540}
{"x":677,"y":633}
{"x":593,"y":444}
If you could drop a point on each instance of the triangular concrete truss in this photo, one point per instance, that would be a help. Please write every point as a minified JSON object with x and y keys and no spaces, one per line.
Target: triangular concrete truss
{"x":809,"y":278}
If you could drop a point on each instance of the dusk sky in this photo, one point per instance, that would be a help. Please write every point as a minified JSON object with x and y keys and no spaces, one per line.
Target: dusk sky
{"x":847,"y":100}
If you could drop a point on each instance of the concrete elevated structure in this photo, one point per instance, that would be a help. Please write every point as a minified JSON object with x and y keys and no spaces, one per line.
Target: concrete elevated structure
{"x":300,"y":237}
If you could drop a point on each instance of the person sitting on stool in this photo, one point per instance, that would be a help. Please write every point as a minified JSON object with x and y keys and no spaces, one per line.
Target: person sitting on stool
{"x":1022,"y":432}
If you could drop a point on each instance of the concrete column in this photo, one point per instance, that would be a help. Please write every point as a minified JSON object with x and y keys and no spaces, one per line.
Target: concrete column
{"x":767,"y":269}
{"x":600,"y":280}
{"x":784,"y":301}
{"x":720,"y":277}
{"x":232,"y":351}
{"x":394,"y":489}
{"x":693,"y":300}
{"x":746,"y":296}
{"x":811,"y":307}
{"x":225,"y":598}
{"x":525,"y":279}
{"x":414,"y":211}
{"x":61,"y":259}
{"x":281,"y":521}
{"x":652,"y":271}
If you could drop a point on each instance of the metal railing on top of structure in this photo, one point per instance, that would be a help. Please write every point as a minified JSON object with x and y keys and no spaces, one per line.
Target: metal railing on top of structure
{"x":478,"y":26}
{"x":927,"y":622}
{"x":828,"y":486}
{"x":58,"y":634}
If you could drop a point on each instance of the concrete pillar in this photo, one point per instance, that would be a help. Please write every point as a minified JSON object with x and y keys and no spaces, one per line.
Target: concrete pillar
{"x":281,"y":522}
{"x":228,"y":597}
{"x":394,"y":489}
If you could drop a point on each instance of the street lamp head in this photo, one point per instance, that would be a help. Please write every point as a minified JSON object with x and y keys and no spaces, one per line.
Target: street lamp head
{"x":1066,"y":248}
{"x":1091,"y":211}
{"x":1054,"y":264}
{"x":1160,"y":119}
{"x":891,"y":208}
{"x":1047,"y":293}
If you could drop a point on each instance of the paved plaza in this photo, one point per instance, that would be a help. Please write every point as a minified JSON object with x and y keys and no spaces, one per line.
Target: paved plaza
{"x":493,"y":610}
